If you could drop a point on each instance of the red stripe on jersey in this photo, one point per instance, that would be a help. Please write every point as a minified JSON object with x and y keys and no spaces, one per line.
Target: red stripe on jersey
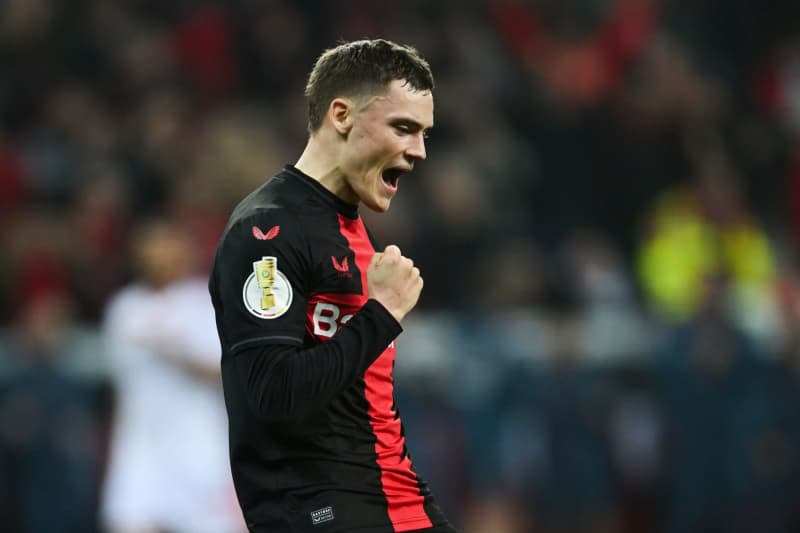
{"x":399,"y":482}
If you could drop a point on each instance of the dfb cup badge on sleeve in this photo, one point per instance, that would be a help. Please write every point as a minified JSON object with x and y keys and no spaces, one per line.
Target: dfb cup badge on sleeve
{"x":267,"y":293}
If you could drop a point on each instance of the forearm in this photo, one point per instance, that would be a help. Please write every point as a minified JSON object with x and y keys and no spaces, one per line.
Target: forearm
{"x":285,"y":382}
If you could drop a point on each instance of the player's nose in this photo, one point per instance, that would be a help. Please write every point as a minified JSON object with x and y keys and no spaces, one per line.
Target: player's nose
{"x":416,"y":148}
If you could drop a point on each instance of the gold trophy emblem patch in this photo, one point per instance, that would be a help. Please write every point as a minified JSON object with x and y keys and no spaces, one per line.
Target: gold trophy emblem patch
{"x":265,"y":274}
{"x":267,"y":292}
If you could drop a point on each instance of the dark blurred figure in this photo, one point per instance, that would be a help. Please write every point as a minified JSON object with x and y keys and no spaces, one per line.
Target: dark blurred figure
{"x":729,"y":456}
{"x":578,"y":494}
{"x":49,"y":426}
{"x":636,"y":448}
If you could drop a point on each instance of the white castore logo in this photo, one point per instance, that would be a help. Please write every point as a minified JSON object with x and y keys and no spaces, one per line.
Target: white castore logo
{"x":320,"y":516}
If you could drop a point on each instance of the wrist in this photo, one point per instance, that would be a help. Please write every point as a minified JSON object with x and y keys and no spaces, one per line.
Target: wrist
{"x":396,"y":316}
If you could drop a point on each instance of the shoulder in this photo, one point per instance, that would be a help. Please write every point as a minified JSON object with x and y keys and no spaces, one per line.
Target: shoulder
{"x":274,"y":208}
{"x":266,"y":228}
{"x":263,"y":229}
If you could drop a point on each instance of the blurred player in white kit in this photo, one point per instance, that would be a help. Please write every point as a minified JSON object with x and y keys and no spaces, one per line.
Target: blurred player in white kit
{"x":168,"y":467}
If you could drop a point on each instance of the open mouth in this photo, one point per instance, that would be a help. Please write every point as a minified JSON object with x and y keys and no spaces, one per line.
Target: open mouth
{"x":391,"y":176}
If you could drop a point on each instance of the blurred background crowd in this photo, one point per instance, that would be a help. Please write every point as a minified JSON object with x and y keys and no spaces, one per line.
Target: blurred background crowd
{"x":608,"y":225}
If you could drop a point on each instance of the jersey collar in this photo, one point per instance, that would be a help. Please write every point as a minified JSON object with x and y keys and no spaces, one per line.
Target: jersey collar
{"x":348,"y":210}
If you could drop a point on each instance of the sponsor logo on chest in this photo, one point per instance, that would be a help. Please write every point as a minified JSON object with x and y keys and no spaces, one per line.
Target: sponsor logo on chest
{"x":326,"y":318}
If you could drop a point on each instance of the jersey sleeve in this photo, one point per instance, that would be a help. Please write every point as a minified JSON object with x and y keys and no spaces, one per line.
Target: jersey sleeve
{"x":259,"y":282}
{"x":285,"y":383}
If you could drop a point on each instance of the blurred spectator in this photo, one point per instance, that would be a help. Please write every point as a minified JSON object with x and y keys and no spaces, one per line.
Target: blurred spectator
{"x":12,"y":179}
{"x":204,"y":47}
{"x":98,"y":225}
{"x":595,"y":275}
{"x":49,"y":423}
{"x":35,"y":245}
{"x":579,"y":50}
{"x":166,"y":468}
{"x":710,"y":377}
{"x":635,"y":434}
{"x":707,"y":229}
{"x":578,"y":491}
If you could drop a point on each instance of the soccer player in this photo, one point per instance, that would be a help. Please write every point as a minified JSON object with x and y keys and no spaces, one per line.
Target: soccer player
{"x":307,"y":311}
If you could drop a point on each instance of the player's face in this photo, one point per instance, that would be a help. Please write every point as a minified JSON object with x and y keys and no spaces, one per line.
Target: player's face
{"x":387,"y":138}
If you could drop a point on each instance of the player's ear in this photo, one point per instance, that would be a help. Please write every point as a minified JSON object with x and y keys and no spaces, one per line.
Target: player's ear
{"x":340,"y":113}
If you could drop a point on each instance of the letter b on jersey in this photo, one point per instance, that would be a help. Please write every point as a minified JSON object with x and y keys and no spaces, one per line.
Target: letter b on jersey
{"x":326,"y":319}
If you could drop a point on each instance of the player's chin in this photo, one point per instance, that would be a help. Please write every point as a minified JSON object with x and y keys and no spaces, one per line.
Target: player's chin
{"x":379,"y":204}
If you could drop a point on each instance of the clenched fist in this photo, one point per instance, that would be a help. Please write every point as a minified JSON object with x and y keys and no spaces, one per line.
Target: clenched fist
{"x":394,"y":281}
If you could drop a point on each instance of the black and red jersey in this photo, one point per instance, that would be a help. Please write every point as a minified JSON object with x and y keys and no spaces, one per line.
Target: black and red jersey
{"x":316,"y":441}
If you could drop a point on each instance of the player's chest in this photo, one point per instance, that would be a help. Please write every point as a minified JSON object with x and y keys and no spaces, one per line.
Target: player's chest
{"x":340,"y":259}
{"x":338,"y":286}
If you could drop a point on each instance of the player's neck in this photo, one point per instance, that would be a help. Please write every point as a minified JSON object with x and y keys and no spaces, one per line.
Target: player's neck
{"x":320,"y":162}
